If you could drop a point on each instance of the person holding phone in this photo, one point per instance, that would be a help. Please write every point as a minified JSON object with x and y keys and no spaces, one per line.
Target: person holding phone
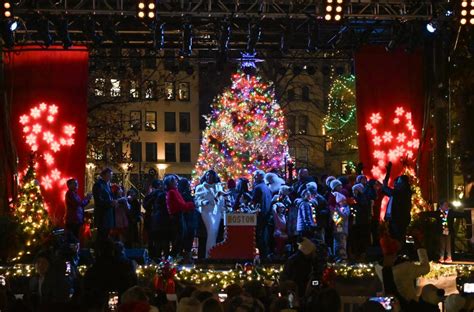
{"x":74,"y":218}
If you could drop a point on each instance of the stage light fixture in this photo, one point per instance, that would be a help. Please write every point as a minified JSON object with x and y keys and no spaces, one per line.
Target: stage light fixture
{"x":6,"y":9}
{"x":467,"y":12}
{"x":333,"y":10}
{"x":187,"y":39}
{"x":431,"y":26}
{"x":44,"y":32}
{"x":146,"y":9}
{"x":159,"y":36}
{"x":254,"y":32}
{"x":63,"y":32}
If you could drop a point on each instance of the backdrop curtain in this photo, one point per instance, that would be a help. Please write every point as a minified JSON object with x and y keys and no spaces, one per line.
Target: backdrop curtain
{"x":387,"y":81}
{"x":58,"y":78}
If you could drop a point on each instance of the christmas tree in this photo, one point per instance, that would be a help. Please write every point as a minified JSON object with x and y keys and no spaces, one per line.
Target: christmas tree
{"x":340,"y":121}
{"x":245,"y":131}
{"x":418,"y":203}
{"x":31,"y":213}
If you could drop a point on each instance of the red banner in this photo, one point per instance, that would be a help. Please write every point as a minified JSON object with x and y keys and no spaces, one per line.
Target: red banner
{"x":48,"y":94}
{"x":390,"y":107}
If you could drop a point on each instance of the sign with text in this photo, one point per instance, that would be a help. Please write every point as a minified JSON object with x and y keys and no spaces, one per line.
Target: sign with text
{"x":241,"y":219}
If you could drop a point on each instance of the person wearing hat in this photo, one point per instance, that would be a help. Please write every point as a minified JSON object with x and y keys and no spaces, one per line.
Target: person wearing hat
{"x":306,"y":221}
{"x":362,"y":179}
{"x":360,"y":231}
{"x":104,"y":204}
{"x":262,"y":200}
{"x":340,"y":217}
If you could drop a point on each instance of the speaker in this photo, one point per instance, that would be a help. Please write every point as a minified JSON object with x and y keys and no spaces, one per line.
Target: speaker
{"x":140,"y":255}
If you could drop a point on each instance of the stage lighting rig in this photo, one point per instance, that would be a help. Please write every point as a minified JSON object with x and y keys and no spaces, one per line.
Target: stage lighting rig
{"x":146,"y":9}
{"x":159,"y":36}
{"x":63,"y":32}
{"x":7,"y":9}
{"x":44,"y":32}
{"x":224,"y":36}
{"x":8,"y":28}
{"x":187,"y":39}
{"x":89,"y":30}
{"x":312,"y":36}
{"x":467,"y":12}
{"x":254,"y":33}
{"x":334,"y":10}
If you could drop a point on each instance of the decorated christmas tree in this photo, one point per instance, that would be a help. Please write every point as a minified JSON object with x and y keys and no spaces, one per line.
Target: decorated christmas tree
{"x":31,"y":213}
{"x":340,"y":122}
{"x":245,"y":131}
{"x":418,"y":203}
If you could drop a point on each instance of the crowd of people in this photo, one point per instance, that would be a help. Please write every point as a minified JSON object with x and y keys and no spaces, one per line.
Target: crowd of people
{"x":305,"y":224}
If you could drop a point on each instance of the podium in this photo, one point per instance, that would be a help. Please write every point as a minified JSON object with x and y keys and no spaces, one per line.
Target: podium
{"x":239,"y":239}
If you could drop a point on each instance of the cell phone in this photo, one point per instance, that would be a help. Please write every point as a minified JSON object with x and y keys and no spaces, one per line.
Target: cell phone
{"x":410,"y":240}
{"x":468,"y":288}
{"x":315,"y":283}
{"x":222,"y":297}
{"x":386,"y":302}
{"x":68,"y":268}
{"x":113,"y":301}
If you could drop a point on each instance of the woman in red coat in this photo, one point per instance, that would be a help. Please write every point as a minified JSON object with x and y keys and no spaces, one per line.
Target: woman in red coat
{"x":176,"y":207}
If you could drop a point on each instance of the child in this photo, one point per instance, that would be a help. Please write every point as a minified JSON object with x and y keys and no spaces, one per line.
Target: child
{"x":340,"y":217}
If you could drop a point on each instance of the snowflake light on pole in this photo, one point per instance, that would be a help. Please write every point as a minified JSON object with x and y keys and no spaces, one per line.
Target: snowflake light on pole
{"x":46,"y":137}
{"x":245,"y":131}
{"x":31,"y":213}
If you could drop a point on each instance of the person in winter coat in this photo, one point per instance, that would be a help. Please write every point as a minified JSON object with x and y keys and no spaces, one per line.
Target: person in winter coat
{"x":306,"y":224}
{"x":262,"y":199}
{"x":210,"y":202}
{"x":104,"y":204}
{"x":243,"y":196}
{"x":280,"y":235}
{"x":340,"y":218}
{"x":445,"y":220}
{"x":122,"y":210}
{"x":360,"y":233}
{"x":177,"y":206}
{"x":135,"y":217}
{"x":74,"y":218}
{"x":191,"y":218}
{"x":274,"y":182}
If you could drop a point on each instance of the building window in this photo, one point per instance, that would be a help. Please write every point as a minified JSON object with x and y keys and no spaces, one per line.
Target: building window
{"x":151,"y":152}
{"x":291,"y":124}
{"x":302,"y":124}
{"x":136,"y":151}
{"x":170,"y":121}
{"x":183,"y":91}
{"x":184,"y":122}
{"x":134,"y":89}
{"x":136,"y":120}
{"x":150,"y":89}
{"x":291,"y":95}
{"x":328,"y":145}
{"x":169,"y":91}
{"x":99,"y":87}
{"x":185,"y":152}
{"x":150,"y":121}
{"x":115,"y":87}
{"x":170,"y":152}
{"x":305,"y":93}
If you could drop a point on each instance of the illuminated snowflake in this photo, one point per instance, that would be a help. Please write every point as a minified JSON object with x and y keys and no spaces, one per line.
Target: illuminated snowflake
{"x":24,"y":119}
{"x":375,"y":118}
{"x":50,"y":118}
{"x":379,"y":154}
{"x":392,"y":155}
{"x":408,"y":115}
{"x":401,"y":137}
{"x":46,"y":182}
{"x":62,"y":141}
{"x":35,"y":112}
{"x":377,"y":140}
{"x":36,"y":128}
{"x":31,"y":139}
{"x":48,"y":158}
{"x":53,"y":109}
{"x":415,"y":143}
{"x":409,"y":154}
{"x":376,"y":172}
{"x":368,"y":127}
{"x":43,"y":106}
{"x":399,"y":111}
{"x":26,"y":129}
{"x":48,"y":137}
{"x":70,"y":142}
{"x":34,"y":147}
{"x":381,"y":163}
{"x":373,"y":131}
{"x":69,"y":130}
{"x":387,"y":136}
{"x":55,"y":147}
{"x":396,"y":120}
{"x":55,"y":174}
{"x":400,"y":151}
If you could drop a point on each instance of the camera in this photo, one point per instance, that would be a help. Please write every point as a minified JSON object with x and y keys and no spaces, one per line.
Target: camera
{"x":113,"y":301}
{"x":315,"y":283}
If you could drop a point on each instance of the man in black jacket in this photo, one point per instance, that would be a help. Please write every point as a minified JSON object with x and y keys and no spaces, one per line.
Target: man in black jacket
{"x":104,"y":204}
{"x":445,"y":221}
{"x":262,"y":199}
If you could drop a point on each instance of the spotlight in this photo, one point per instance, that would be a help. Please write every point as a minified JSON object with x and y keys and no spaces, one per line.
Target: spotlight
{"x":13,"y":25}
{"x":254,"y":33}
{"x":89,"y":30}
{"x":63,"y":32}
{"x":159,"y":36}
{"x":431,"y":26}
{"x":146,"y":9}
{"x":187,"y":39}
{"x":333,"y":10}
{"x":467,"y":12}
{"x":43,"y":31}
{"x":6,"y":9}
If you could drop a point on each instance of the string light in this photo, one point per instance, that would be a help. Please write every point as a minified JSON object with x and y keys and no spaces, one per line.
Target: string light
{"x":245,"y":131}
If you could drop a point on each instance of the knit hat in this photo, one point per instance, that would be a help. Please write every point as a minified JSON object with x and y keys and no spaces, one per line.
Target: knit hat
{"x":285,"y":190}
{"x":454,"y":303}
{"x":339,"y":197}
{"x":334,"y":183}
{"x":390,"y":246}
{"x":306,"y":246}
{"x":312,"y":187}
{"x":329,"y":179}
{"x":359,"y":187}
{"x":360,"y":177}
{"x":432,"y":294}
